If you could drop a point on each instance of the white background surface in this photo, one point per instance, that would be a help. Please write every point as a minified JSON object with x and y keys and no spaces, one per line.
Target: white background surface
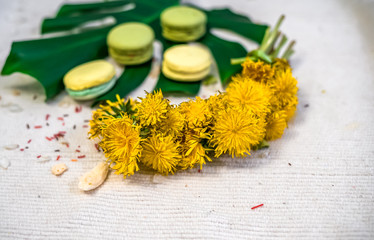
{"x":327,"y":192}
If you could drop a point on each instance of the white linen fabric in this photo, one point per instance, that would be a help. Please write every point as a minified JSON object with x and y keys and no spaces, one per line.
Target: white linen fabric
{"x":316,"y":182}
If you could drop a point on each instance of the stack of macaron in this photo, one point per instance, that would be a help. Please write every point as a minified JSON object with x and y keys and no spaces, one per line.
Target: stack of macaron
{"x":186,"y":63}
{"x":131,"y":43}
{"x":183,"y":23}
{"x":90,"y":80}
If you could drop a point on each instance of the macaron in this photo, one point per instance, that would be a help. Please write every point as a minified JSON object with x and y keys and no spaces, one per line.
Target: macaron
{"x":131,"y":43}
{"x":186,"y":63}
{"x":90,"y":80}
{"x":183,"y":24}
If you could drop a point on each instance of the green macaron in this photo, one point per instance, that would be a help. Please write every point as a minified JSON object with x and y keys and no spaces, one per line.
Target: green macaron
{"x":90,"y":80}
{"x":131,"y":43}
{"x":183,"y":24}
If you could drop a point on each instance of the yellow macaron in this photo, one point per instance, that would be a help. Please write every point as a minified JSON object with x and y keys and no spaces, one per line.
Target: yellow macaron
{"x":90,"y":79}
{"x":186,"y":63}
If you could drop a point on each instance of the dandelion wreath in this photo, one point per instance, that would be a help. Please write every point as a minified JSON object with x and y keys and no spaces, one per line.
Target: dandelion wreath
{"x":256,"y":107}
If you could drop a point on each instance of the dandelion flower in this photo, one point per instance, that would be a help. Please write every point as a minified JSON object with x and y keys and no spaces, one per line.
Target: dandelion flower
{"x":193,"y":150}
{"x":248,"y":95}
{"x":152,"y":109}
{"x":160,"y":153}
{"x":290,"y":109}
{"x":173,"y":123}
{"x":284,"y":88}
{"x":236,"y":131}
{"x":196,"y":112}
{"x":98,"y":122}
{"x":276,"y":123}
{"x":121,"y":145}
{"x":281,"y":64}
{"x":217,"y":103}
{"x":258,"y":71}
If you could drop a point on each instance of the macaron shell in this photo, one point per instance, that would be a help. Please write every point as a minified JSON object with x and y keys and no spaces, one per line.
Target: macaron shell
{"x":187,"y":58}
{"x":183,"y":35}
{"x":89,"y":75}
{"x":131,"y":59}
{"x":183,"y":17}
{"x":91,"y":93}
{"x":183,"y":76}
{"x":130,"y":36}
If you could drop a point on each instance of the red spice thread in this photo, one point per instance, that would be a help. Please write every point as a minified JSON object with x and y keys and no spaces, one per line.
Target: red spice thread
{"x":78,"y":109}
{"x":82,"y":156}
{"x":60,"y":118}
{"x":38,"y":126}
{"x":29,"y":141}
{"x":38,"y":156}
{"x":257,"y":206}
{"x":74,"y":160}
{"x":58,"y":158}
{"x":47,"y":117}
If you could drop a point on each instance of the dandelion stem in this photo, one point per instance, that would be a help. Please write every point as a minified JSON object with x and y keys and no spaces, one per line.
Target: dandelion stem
{"x":289,"y":51}
{"x":283,"y":41}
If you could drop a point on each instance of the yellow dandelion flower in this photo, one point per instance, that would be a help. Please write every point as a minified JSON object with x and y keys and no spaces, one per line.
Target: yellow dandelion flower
{"x":106,"y":112}
{"x":248,"y":95}
{"x":281,"y":64}
{"x":98,"y":122}
{"x":284,"y":88}
{"x":258,"y":71}
{"x":276,"y":123}
{"x":193,"y":150}
{"x":236,"y":131}
{"x":196,"y":112}
{"x":121,"y":145}
{"x":217,"y":103}
{"x":173,"y":123}
{"x":152,"y":109}
{"x":290,"y":109}
{"x":161,"y":153}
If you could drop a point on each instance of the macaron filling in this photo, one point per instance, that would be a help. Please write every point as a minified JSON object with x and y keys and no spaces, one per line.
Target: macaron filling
{"x":93,"y":92}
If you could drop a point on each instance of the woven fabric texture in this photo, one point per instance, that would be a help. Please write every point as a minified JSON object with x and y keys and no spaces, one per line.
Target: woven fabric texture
{"x":316,"y":182}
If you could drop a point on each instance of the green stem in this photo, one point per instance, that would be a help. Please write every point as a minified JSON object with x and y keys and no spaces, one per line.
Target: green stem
{"x":289,"y":51}
{"x":273,"y":43}
{"x":237,"y":61}
{"x":272,"y":36}
{"x":283,"y":41}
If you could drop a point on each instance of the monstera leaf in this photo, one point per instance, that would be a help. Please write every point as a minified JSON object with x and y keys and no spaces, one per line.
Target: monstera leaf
{"x":80,"y":41}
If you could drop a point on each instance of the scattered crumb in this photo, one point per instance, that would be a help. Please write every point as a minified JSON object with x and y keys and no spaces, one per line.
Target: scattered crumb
{"x":11,"y":146}
{"x":59,"y":169}
{"x":16,"y":93}
{"x":323,"y":91}
{"x":4,"y":163}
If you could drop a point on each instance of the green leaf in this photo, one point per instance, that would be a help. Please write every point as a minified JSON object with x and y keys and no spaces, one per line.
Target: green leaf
{"x":48,"y":60}
{"x":89,"y":8}
{"x":131,"y":78}
{"x":145,"y":11}
{"x":222,"y":51}
{"x":170,"y":86}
